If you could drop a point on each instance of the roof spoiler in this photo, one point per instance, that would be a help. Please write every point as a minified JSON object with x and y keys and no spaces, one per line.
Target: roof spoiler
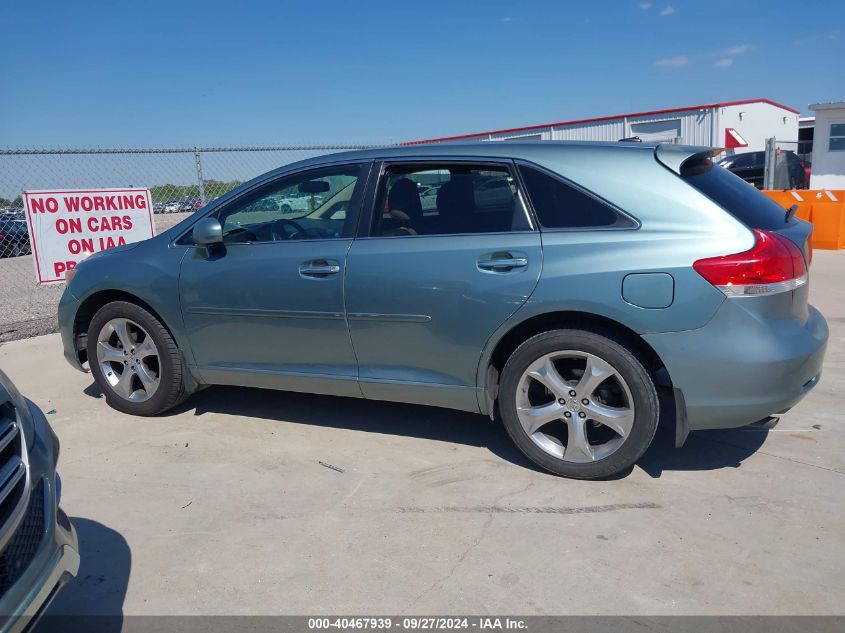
{"x":676,"y":156}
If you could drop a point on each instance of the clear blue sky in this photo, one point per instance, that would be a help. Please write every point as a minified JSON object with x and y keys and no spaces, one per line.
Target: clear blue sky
{"x":185,"y":73}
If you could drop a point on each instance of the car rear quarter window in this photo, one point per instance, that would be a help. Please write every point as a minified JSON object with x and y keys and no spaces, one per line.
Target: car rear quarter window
{"x":734,"y":195}
{"x":559,"y":205}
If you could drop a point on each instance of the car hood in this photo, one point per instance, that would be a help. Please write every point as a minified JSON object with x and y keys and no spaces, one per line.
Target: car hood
{"x":113,"y":251}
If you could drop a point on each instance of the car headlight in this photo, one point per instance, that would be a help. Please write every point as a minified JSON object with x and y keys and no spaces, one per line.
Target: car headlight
{"x":12,"y":398}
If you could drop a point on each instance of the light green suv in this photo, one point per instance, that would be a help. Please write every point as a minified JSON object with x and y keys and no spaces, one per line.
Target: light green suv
{"x":554,"y":286}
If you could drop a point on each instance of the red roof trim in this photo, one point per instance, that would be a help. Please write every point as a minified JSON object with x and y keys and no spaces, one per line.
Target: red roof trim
{"x":526,"y":128}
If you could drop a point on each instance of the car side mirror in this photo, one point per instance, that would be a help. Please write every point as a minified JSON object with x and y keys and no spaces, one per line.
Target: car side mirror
{"x":208,"y":232}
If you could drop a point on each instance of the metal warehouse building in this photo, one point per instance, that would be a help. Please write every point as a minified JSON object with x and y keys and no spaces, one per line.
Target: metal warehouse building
{"x":735,"y":125}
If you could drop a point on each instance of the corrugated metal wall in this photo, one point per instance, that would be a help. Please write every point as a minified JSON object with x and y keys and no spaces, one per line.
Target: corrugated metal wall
{"x":599,"y":131}
{"x":694,"y":129}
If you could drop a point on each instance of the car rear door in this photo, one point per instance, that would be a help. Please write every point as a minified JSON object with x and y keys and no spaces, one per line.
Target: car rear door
{"x":427,"y":285}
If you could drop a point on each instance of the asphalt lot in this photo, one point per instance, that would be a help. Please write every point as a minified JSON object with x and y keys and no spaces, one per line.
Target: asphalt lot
{"x":224,"y":508}
{"x":27,"y":309}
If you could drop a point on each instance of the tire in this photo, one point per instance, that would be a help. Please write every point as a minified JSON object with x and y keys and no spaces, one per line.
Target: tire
{"x":170,"y":388}
{"x":629,"y":394}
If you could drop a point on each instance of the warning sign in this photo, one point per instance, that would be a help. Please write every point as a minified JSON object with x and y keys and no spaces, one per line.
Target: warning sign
{"x":66,"y":226}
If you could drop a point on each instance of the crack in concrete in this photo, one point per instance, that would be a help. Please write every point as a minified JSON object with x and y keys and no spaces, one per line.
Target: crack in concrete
{"x":474,"y":544}
{"x":497,"y":509}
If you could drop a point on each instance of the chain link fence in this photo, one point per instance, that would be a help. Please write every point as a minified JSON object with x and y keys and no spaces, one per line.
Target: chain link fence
{"x":180,"y":180}
{"x":784,"y":168}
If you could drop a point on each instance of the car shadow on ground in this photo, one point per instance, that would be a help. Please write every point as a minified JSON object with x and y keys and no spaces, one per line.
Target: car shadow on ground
{"x":356,"y":414}
{"x":93,"y":601}
{"x":704,"y":450}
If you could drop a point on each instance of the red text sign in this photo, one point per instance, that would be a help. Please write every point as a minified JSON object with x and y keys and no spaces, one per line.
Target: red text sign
{"x":66,"y":226}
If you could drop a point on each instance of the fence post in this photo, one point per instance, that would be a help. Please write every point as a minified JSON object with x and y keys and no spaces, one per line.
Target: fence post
{"x":198,"y":161}
{"x":769,"y":164}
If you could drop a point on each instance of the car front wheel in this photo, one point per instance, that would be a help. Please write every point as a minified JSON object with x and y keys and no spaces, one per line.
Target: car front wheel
{"x":578,"y":403}
{"x":134,"y":360}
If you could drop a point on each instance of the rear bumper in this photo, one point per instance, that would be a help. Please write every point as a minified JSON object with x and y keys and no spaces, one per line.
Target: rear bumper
{"x":737,"y":370}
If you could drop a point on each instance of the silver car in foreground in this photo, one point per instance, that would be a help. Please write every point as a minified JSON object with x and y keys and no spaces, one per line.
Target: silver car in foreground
{"x":38,"y":545}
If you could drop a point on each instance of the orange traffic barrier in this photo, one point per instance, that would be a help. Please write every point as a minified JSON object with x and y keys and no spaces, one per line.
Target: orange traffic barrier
{"x":829,"y":220}
{"x":824,"y":208}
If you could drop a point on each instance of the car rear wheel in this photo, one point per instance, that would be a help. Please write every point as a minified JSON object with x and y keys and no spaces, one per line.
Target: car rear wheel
{"x":134,"y":360}
{"x":578,"y":403}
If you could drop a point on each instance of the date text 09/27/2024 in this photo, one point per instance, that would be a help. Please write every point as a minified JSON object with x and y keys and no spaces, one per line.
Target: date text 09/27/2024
{"x":417,"y":623}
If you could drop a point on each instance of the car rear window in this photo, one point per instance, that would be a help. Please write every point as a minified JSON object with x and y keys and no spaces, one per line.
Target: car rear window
{"x":734,"y":195}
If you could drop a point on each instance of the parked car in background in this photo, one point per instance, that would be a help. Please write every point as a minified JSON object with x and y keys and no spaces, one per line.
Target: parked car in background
{"x":158,"y":207}
{"x":14,"y":238}
{"x":750,"y":166}
{"x":13,"y":214}
{"x":298,"y":201}
{"x":38,"y":545}
{"x":428,"y":199}
{"x":493,"y":192}
{"x":562,"y":305}
{"x":172,"y":206}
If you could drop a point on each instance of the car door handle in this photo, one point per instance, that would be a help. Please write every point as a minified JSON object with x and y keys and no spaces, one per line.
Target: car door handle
{"x":319,"y":268}
{"x":501,"y":264}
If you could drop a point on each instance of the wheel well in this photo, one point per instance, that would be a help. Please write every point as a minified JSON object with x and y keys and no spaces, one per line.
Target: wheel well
{"x":556,"y":320}
{"x":89,"y":307}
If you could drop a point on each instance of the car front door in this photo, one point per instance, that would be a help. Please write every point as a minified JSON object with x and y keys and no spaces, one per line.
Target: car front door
{"x":428,"y":284}
{"x":265,"y":307}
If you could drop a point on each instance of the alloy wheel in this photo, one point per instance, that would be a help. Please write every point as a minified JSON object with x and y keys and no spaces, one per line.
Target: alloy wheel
{"x":575,"y":406}
{"x":129,"y":360}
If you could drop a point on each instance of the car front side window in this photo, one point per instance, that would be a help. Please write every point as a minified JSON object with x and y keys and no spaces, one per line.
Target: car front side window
{"x":313,"y":204}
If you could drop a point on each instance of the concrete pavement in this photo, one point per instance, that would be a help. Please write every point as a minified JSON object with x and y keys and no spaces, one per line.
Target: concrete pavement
{"x":223,"y":507}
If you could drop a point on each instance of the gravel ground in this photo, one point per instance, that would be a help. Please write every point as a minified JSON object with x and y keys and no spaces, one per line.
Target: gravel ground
{"x":28,"y":309}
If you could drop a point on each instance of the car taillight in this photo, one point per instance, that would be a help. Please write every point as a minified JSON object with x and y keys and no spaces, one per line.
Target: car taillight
{"x":774,"y":264}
